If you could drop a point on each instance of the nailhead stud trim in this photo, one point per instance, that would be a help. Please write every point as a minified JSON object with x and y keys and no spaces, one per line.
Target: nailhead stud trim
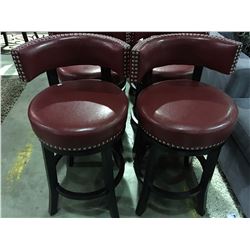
{"x":126,"y":60}
{"x":18,"y":65}
{"x":141,"y":43}
{"x":134,"y":66}
{"x":83,"y":148}
{"x":169,"y":144}
{"x":129,"y":37}
{"x":236,"y":57}
{"x":17,"y":61}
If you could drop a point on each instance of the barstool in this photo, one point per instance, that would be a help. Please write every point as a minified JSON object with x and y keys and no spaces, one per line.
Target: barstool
{"x":182,"y":117}
{"x":76,"y":118}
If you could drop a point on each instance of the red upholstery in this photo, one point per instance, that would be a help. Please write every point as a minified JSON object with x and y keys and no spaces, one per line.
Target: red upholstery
{"x":169,"y":71}
{"x":186,"y":114}
{"x":78,"y":115}
{"x":136,"y":36}
{"x":191,"y":49}
{"x":78,"y":72}
{"x":31,"y":59}
{"x":172,"y":72}
{"x":120,"y":35}
{"x":75,"y":114}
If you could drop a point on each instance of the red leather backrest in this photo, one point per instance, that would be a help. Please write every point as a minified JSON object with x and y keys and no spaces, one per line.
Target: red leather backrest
{"x":40,"y":55}
{"x":136,"y":36}
{"x":120,"y":35}
{"x":191,"y":49}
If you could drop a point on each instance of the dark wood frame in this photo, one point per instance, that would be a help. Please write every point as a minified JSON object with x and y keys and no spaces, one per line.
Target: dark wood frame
{"x":5,"y":37}
{"x":143,"y":143}
{"x":52,"y":156}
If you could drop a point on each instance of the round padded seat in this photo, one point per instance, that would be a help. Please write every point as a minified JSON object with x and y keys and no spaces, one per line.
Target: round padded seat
{"x":172,"y":72}
{"x":78,"y":115}
{"x":78,"y":72}
{"x":186,"y":114}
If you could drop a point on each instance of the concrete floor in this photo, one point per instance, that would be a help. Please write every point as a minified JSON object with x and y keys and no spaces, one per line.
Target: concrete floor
{"x":24,"y":184}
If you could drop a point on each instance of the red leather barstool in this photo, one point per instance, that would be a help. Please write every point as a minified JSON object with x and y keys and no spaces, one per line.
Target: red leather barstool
{"x":182,"y":117}
{"x":77,"y":72}
{"x":79,"y":117}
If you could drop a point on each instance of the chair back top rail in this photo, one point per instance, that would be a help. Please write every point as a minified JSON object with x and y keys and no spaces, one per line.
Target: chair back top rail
{"x":136,"y":36}
{"x":216,"y":53}
{"x":60,"y":50}
{"x":120,"y":35}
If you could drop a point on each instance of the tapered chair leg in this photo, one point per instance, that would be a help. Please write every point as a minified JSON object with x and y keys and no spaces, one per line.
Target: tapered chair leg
{"x":148,"y":181}
{"x":50,"y":166}
{"x":119,"y":146}
{"x":70,"y":161}
{"x":109,"y":181}
{"x":25,"y":36}
{"x":36,"y":35}
{"x":207,"y":174}
{"x":140,"y":149}
{"x":187,"y":162}
{"x":5,"y":38}
{"x":138,"y":140}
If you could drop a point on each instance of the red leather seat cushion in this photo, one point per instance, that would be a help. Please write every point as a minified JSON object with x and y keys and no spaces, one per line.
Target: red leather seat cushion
{"x":186,"y":113}
{"x":78,"y":114}
{"x":78,"y":72}
{"x":172,"y":72}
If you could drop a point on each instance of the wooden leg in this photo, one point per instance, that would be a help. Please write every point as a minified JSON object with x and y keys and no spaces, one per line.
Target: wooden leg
{"x":70,"y":161}
{"x":5,"y":37}
{"x":119,"y":146}
{"x":140,"y":148}
{"x":25,"y":36}
{"x":148,"y":180}
{"x":52,"y":77}
{"x":187,"y":162}
{"x":109,"y":181}
{"x":207,"y":174}
{"x":138,"y":140}
{"x":50,"y":167}
{"x":35,"y":33}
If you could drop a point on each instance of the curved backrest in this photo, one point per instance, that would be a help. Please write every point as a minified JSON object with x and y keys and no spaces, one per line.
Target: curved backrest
{"x":49,"y":53}
{"x":134,"y":37}
{"x":216,"y":53}
{"x":120,"y":35}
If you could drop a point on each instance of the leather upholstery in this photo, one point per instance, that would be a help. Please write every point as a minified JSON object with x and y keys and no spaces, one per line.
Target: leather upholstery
{"x":168,"y":71}
{"x":186,"y":113}
{"x":172,"y":72}
{"x":136,"y":36}
{"x":78,"y":72}
{"x":51,"y":52}
{"x":120,"y":35}
{"x":191,"y":49}
{"x":79,"y":114}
